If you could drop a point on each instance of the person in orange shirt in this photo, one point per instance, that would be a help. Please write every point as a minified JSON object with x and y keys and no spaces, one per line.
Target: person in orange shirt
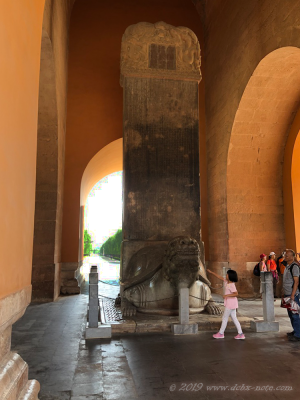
{"x":272,"y":266}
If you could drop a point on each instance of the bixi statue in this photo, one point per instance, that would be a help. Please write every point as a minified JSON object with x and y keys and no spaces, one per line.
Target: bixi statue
{"x":156,"y":273}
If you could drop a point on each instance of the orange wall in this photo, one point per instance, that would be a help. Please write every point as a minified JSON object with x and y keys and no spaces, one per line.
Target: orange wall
{"x":238,"y":35}
{"x":291,"y":186}
{"x":20,"y":43}
{"x":290,"y":189}
{"x":296,"y":189}
{"x":94,"y":115}
{"x":107,"y":161}
{"x":261,"y":127}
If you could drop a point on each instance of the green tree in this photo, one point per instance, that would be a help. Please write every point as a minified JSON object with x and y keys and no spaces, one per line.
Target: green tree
{"x":87,"y":239}
{"x":112,"y":246}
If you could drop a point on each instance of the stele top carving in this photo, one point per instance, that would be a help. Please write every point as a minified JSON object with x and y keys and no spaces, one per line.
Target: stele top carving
{"x":136,"y":43}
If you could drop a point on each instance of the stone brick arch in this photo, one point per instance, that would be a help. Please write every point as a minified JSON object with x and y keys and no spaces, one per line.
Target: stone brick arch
{"x":255,"y":158}
{"x":45,"y":274}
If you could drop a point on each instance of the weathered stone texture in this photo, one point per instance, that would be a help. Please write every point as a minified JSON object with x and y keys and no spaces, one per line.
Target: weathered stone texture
{"x":68,"y":278}
{"x":50,"y":148}
{"x":161,"y":161}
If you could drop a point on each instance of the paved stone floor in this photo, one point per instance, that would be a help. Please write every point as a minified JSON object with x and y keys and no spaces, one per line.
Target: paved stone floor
{"x":153,"y":366}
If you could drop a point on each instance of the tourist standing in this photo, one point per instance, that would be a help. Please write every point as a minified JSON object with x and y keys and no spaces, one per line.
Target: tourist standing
{"x":290,"y":289}
{"x":280,"y":269}
{"x":272,"y":266}
{"x":230,"y":303}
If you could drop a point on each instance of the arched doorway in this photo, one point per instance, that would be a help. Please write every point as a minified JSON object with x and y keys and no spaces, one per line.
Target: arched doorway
{"x":107,"y":161}
{"x":255,"y":161}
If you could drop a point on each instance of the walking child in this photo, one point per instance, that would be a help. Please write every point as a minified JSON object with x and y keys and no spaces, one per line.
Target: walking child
{"x":230,"y":303}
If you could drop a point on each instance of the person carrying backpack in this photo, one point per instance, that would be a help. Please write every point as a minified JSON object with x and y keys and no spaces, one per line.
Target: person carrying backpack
{"x":280,"y":270}
{"x":281,"y":263}
{"x":290,"y":289}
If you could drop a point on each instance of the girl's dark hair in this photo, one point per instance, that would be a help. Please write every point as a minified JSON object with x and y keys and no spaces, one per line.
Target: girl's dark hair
{"x":232,"y":275}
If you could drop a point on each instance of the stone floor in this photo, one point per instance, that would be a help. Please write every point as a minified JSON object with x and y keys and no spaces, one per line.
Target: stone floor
{"x":153,"y":366}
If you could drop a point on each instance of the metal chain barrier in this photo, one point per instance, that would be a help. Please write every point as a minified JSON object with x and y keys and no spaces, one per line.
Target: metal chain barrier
{"x":106,"y":283}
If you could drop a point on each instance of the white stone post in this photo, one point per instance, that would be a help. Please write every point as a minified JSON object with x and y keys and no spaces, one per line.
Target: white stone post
{"x":184,"y":313}
{"x":268,"y":323}
{"x":94,"y":328}
{"x":184,"y":327}
{"x":93,"y":298}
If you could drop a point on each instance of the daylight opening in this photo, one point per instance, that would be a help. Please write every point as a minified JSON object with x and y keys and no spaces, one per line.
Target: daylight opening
{"x":103,"y":228}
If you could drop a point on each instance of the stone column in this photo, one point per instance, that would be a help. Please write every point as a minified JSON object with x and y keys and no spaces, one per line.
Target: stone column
{"x":78,"y":273}
{"x":93,"y":298}
{"x":94,"y":328}
{"x":184,"y":327}
{"x":160,"y":73}
{"x":47,"y":221}
{"x":81,"y":236}
{"x":71,"y":277}
{"x":268,"y":324}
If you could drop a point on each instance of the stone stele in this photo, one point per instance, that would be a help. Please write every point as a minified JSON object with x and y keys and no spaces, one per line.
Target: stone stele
{"x":160,"y":75}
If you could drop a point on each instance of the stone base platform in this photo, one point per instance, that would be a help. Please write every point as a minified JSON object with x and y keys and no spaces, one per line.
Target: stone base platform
{"x":184,"y":329}
{"x":103,"y":331}
{"x":259,"y":325}
{"x":141,"y":323}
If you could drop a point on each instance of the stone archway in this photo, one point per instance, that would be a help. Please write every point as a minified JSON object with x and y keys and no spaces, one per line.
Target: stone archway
{"x":255,"y":159}
{"x":45,"y":270}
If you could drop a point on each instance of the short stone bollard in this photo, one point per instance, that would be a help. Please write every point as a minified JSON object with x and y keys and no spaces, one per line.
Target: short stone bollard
{"x":268,"y":323}
{"x":94,"y":328}
{"x":184,"y":327}
{"x":93,"y":298}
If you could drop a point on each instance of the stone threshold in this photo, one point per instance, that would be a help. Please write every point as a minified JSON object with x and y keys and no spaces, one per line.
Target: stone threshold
{"x":205,"y":323}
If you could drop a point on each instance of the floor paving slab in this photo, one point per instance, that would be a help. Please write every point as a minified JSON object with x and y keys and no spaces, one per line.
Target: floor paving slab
{"x":50,"y":337}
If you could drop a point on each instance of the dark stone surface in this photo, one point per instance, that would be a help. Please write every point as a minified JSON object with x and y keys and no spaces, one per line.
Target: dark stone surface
{"x":161,"y":162}
{"x":131,"y":247}
{"x":161,"y":159}
{"x":162,"y":57}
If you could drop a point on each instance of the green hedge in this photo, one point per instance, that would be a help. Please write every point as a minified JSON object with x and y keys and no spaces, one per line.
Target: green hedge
{"x":112,"y":246}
